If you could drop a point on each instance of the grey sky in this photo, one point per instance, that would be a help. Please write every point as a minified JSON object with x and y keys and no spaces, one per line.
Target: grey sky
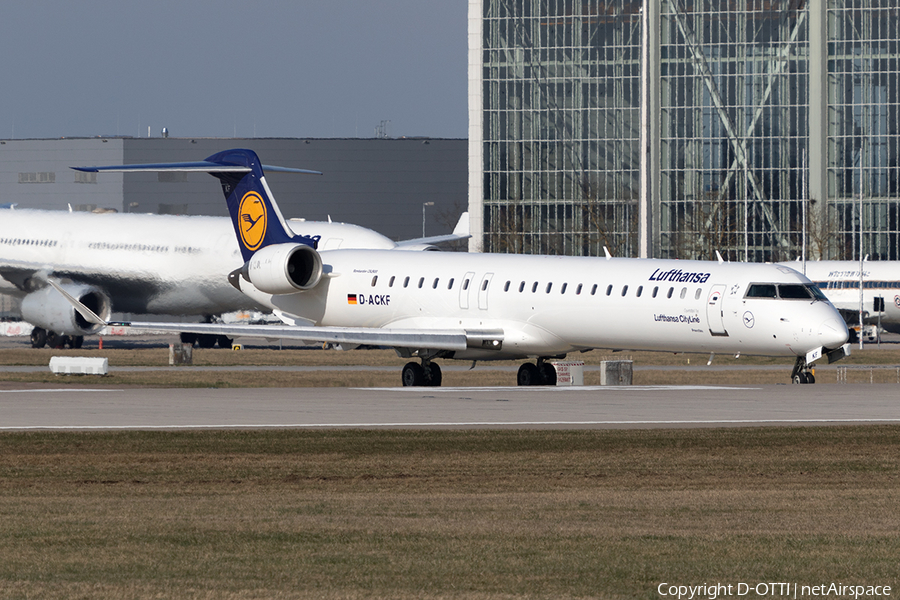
{"x":223,"y":68}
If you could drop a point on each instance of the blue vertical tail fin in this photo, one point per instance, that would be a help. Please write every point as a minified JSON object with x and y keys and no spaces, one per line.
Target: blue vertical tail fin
{"x":256,"y":218}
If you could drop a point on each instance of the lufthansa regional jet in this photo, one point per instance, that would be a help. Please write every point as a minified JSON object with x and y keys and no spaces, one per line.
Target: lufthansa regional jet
{"x":142,"y":264}
{"x":430,"y":306}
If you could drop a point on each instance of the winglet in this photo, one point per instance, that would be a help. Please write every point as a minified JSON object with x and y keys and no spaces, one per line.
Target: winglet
{"x":606,"y":251}
{"x":719,"y":256}
{"x":89,"y":315}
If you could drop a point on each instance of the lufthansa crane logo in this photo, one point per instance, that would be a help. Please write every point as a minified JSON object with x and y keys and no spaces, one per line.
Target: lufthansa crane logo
{"x":252,"y":219}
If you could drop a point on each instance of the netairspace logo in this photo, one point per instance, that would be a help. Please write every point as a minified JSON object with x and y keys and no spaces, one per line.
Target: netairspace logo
{"x":772,"y":590}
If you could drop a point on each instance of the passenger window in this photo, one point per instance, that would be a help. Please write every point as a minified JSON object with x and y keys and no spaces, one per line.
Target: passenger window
{"x":578,"y":290}
{"x":406,"y":282}
{"x":421,"y":281}
{"x":563,"y":290}
{"x":374,"y":280}
{"x":594,"y":290}
{"x":435,"y":283}
{"x":624,"y":290}
{"x":669,"y":295}
{"x":683,"y":293}
{"x":522,"y":287}
{"x":609,"y":290}
{"x":640,"y":290}
{"x":450,"y":285}
{"x":549,"y":285}
{"x":534,"y":287}
{"x":697,"y":294}
{"x":484,"y":285}
{"x":655,"y":289}
{"x":466,"y":284}
{"x":506,"y":287}
{"x":391,"y":282}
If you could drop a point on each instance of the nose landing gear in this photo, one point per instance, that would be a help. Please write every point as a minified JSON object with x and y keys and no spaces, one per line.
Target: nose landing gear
{"x":802,"y":372}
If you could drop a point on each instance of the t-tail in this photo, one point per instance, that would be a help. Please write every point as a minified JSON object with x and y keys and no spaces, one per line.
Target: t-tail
{"x":256,"y":218}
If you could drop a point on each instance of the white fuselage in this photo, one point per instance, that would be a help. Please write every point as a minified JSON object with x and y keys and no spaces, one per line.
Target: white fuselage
{"x":839,"y":280}
{"x":551,"y":305}
{"x":153,"y":264}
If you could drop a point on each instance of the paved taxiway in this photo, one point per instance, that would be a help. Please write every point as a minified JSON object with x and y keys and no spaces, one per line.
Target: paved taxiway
{"x":36,"y":406}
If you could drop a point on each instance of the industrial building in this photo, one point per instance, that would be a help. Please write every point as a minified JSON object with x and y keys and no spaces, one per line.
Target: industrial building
{"x":762,"y":128}
{"x":377,"y":183}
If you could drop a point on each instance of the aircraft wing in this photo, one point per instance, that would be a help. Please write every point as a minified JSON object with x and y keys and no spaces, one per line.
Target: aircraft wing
{"x":460,"y":232}
{"x":432,"y":339}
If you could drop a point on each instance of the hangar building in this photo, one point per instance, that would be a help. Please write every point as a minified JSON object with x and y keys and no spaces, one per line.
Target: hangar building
{"x":377,"y":183}
{"x":766,"y":125}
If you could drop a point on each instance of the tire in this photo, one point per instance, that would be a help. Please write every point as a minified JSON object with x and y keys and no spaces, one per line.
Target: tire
{"x":76,"y":341}
{"x":38,"y":337}
{"x":188,"y":338}
{"x":206,"y":340}
{"x":548,"y":374}
{"x":54,"y":340}
{"x":433,"y":375}
{"x":412,"y":375}
{"x":528,"y":375}
{"x":224,"y":341}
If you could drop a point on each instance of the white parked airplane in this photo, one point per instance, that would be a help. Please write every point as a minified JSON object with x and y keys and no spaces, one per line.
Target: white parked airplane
{"x":839,"y":281}
{"x":142,"y":264}
{"x":492,"y":306}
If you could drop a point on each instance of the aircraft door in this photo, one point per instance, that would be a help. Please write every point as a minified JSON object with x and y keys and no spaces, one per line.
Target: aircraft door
{"x":714,"y":311}
{"x":464,"y":290}
{"x":483,"y":291}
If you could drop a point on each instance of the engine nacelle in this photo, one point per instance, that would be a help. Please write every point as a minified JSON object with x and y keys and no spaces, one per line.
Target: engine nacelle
{"x":48,"y":309}
{"x":284,"y":269}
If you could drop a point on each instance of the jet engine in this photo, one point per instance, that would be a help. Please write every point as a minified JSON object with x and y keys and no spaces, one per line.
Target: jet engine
{"x":48,"y":309}
{"x":284,"y":269}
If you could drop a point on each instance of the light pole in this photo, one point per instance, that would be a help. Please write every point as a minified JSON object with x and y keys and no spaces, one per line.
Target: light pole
{"x":424,"y":204}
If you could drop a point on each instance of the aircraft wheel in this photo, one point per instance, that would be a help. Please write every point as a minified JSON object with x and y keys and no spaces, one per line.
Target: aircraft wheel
{"x":38,"y":337}
{"x":413,"y":374}
{"x":54,"y":340}
{"x":224,"y":341}
{"x":76,"y":341}
{"x":434,"y":375}
{"x":188,"y":338}
{"x":528,"y":375}
{"x":548,"y":374}
{"x":206,"y":340}
{"x":810,"y":378}
{"x":803,"y":378}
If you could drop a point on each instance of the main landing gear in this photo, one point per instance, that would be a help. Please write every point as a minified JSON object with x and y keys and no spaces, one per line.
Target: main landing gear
{"x":802,"y":372}
{"x":426,"y":374}
{"x":541,"y":373}
{"x":41,"y":337}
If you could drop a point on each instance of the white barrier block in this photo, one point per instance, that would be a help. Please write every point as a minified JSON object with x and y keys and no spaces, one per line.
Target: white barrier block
{"x":569,"y":372}
{"x":79,"y":365}
{"x":616,"y":372}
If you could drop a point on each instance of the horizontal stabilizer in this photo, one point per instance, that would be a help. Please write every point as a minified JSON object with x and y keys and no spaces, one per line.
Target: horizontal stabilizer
{"x":202,"y":166}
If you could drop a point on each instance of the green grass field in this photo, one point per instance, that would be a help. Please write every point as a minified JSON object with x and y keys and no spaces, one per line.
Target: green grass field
{"x":444,"y":514}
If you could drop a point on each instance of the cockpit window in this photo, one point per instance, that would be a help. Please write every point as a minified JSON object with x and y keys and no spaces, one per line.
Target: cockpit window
{"x":793,"y":292}
{"x":761,"y":290}
{"x":816,"y":292}
{"x":785,"y":291}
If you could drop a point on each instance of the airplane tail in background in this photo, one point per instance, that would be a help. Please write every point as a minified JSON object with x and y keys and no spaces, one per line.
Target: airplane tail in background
{"x":256,"y":218}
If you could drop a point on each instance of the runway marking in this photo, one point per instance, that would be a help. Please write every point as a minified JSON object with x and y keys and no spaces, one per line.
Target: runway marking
{"x":566,"y":388}
{"x":52,"y":390}
{"x":438,"y":424}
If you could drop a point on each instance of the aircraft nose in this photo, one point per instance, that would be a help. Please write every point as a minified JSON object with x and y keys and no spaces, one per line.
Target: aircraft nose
{"x":833,"y":333}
